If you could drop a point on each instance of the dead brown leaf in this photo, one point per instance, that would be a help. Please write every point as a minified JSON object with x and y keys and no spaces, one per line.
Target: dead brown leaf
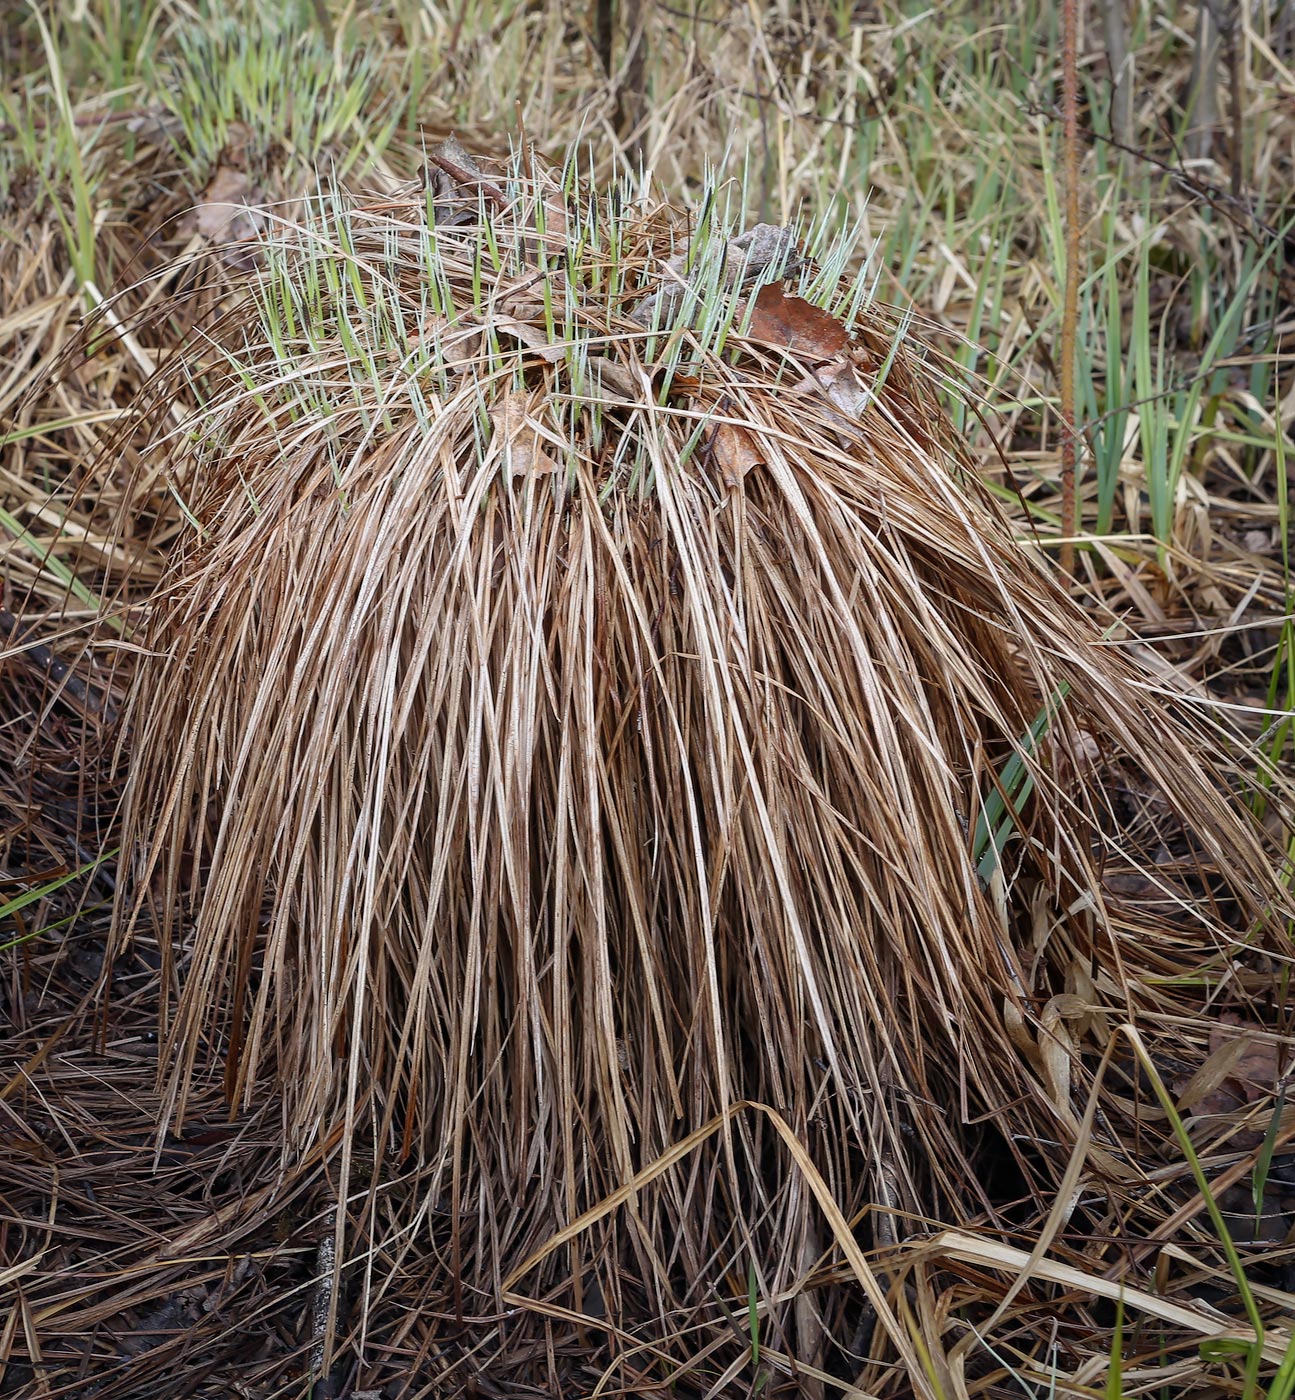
{"x":1240,"y":1069}
{"x":844,"y":391}
{"x":461,"y":348}
{"x":736,"y":451}
{"x":518,"y":436}
{"x":1213,"y":1089}
{"x":239,"y":141}
{"x":1255,"y":1068}
{"x":794,"y":324}
{"x":224,"y":216}
{"x":530,"y":336}
{"x":614,"y":379}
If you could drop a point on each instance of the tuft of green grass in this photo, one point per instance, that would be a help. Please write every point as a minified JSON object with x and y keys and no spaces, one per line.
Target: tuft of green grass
{"x":1281,"y":684}
{"x":109,"y":48}
{"x":51,"y":150}
{"x":1000,"y":815}
{"x":267,"y":89}
{"x":1252,"y":1352}
{"x":15,"y":904}
{"x":1114,"y":1387}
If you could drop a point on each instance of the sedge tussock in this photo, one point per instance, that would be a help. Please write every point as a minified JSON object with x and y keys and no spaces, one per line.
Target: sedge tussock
{"x":595,"y":693}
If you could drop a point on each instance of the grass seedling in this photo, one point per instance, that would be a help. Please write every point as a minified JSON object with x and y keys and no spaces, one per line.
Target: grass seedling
{"x":1001,"y":811}
{"x":16,"y":903}
{"x":266,"y":82}
{"x":55,"y":154}
{"x":1251,"y":1351}
{"x":1114,"y":1387}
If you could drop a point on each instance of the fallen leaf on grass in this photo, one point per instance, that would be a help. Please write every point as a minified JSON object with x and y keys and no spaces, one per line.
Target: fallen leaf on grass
{"x":1212,"y":1089}
{"x":763,"y":249}
{"x":1240,"y":1069}
{"x":531,"y":337}
{"x":736,"y":451}
{"x":794,"y":324}
{"x":224,"y":216}
{"x":838,"y":382}
{"x":518,"y":437}
{"x":1255,"y":1069}
{"x":461,"y":349}
{"x":844,"y":391}
{"x":613,"y":379}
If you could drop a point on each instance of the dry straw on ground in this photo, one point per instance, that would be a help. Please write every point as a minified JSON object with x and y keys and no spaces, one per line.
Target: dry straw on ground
{"x":592,"y":695}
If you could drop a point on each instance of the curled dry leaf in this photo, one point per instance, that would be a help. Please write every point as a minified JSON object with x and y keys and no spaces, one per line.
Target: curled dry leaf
{"x":155,"y":125}
{"x":766,"y":248}
{"x":1079,"y":755}
{"x":736,"y":451}
{"x":531,"y":337}
{"x":1255,"y":1069}
{"x":1240,"y":1069}
{"x":461,"y":348}
{"x":614,"y":380}
{"x":1057,"y":1050}
{"x":224,"y":216}
{"x":518,"y":438}
{"x":455,"y":174}
{"x":240,"y":140}
{"x":763,"y":250}
{"x":840,"y":381}
{"x":794,"y":324}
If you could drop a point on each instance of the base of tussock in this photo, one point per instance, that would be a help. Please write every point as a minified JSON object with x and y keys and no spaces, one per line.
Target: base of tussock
{"x":594,"y":761}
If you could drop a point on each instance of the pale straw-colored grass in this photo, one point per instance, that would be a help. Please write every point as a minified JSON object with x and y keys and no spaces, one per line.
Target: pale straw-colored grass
{"x":568,"y":720}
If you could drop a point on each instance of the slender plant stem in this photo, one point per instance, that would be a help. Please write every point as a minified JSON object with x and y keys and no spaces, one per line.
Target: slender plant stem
{"x":631,"y":97}
{"x":1070,"y":310}
{"x":324,"y":21}
{"x":1115,"y":28}
{"x":604,"y":21}
{"x":1236,"y":82}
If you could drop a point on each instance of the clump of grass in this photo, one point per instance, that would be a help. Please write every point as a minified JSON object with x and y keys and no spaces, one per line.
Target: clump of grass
{"x":265,"y":88}
{"x":935,"y":127}
{"x":591,"y":695}
{"x":50,"y":153}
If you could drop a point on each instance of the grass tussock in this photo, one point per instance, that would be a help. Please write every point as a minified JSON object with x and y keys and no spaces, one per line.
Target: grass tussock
{"x":191,"y":1261}
{"x":589,"y":697}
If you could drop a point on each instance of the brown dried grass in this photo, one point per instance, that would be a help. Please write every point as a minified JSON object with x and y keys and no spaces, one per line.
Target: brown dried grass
{"x":523,"y":812}
{"x":131,"y":1280}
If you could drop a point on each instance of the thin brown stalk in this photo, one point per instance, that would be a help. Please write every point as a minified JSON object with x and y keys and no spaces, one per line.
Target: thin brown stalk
{"x":1233,"y":31}
{"x":631,"y":93}
{"x":604,"y":33}
{"x":324,"y":20}
{"x":1070,"y":445}
{"x":1202,"y":94}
